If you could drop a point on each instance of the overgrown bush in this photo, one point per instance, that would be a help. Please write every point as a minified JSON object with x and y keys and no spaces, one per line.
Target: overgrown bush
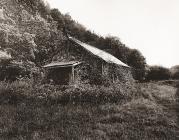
{"x":12,"y":73}
{"x":175,"y":75}
{"x":158,"y":73}
{"x":36,"y":6}
{"x":64,"y":94}
{"x":137,"y":61}
{"x":175,"y":72}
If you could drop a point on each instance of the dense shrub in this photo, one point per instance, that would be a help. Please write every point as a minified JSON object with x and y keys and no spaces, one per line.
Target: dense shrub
{"x":64,"y":94}
{"x":137,"y":61}
{"x":175,"y":72}
{"x":158,"y":73}
{"x":10,"y":73}
{"x":36,"y":6}
{"x":175,"y":75}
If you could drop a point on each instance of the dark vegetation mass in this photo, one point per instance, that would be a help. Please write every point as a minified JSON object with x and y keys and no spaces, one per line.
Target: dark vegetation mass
{"x":41,"y":36}
{"x":175,"y":72}
{"x":35,"y":35}
{"x":158,"y":73}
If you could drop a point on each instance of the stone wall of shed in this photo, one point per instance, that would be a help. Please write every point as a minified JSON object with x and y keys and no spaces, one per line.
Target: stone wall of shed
{"x":117,"y":73}
{"x":124,"y":74}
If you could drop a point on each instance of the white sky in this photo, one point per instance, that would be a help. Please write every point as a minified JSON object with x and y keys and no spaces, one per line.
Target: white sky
{"x":151,"y":26}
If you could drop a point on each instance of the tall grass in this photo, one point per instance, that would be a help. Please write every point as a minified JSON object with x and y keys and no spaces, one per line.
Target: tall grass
{"x":120,"y":111}
{"x":26,"y":89}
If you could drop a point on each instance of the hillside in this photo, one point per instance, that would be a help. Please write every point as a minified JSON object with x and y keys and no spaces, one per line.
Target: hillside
{"x":25,"y":34}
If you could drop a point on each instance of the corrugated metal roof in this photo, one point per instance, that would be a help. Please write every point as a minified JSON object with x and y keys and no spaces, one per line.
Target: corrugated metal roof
{"x":4,"y":55}
{"x":62,"y":64}
{"x":100,"y":53}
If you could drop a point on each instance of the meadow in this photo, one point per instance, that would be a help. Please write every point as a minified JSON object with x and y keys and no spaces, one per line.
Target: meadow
{"x":140,"y":111}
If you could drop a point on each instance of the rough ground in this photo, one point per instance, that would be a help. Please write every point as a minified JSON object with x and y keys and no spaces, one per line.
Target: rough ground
{"x":153,"y":115}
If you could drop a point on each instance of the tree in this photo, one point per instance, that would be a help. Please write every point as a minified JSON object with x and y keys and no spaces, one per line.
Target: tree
{"x":175,"y":72}
{"x":34,"y":6}
{"x":158,"y":73}
{"x":138,"y":62}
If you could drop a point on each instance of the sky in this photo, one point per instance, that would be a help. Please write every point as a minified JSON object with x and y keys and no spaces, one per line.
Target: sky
{"x":151,"y":26}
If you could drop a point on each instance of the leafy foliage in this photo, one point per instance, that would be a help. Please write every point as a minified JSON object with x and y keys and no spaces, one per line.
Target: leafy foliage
{"x":158,"y":73}
{"x":36,"y":6}
{"x":175,"y":72}
{"x":138,"y":62}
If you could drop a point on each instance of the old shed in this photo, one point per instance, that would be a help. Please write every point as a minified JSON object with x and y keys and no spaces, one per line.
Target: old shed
{"x":102,"y":62}
{"x":97,"y":64}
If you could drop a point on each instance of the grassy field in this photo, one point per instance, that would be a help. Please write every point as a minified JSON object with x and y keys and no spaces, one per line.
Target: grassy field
{"x":149,"y":111}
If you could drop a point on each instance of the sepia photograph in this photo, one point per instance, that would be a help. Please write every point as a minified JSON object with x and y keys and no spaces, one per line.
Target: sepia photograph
{"x":89,"y":69}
